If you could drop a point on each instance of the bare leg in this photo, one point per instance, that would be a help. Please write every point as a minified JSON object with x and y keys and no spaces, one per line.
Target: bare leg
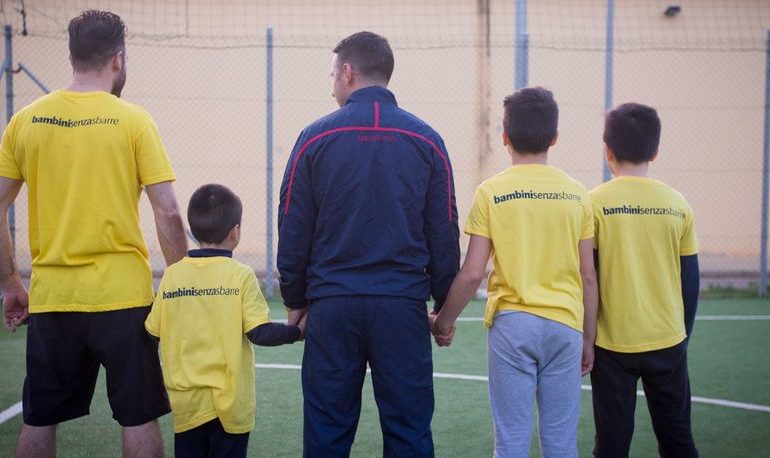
{"x":143,"y":441}
{"x":36,"y":442}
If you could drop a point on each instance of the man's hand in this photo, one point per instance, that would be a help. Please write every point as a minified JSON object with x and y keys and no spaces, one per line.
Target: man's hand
{"x":442,"y":335}
{"x":294,"y":316}
{"x":302,"y":325}
{"x":15,"y":308}
{"x":588,"y":356}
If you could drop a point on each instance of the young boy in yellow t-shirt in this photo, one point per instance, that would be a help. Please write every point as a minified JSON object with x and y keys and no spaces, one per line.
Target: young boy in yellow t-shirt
{"x":207,"y":309}
{"x":535,"y":221}
{"x":648,"y":282}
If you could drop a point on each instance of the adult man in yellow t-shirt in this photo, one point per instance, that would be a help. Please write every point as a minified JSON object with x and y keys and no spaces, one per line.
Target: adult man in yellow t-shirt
{"x":648,"y":282}
{"x":85,"y":155}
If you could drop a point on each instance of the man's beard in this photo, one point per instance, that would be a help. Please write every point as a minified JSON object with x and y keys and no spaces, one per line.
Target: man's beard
{"x":118,"y":83}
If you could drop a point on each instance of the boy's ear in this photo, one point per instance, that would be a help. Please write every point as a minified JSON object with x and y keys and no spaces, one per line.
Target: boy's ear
{"x":506,"y":140}
{"x":554,"y":140}
{"x":654,"y":156}
{"x":235,"y":233}
{"x":608,"y":153}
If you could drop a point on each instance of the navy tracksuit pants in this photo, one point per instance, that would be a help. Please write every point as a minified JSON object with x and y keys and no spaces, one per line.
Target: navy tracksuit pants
{"x":343,"y":334}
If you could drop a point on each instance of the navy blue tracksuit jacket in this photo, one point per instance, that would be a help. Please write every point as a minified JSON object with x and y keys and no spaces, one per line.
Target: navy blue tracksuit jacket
{"x":367,"y":207}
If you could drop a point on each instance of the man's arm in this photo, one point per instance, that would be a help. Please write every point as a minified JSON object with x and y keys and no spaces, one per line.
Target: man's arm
{"x":168,"y":221}
{"x":690,"y":275}
{"x":296,"y":222}
{"x":590,"y":301}
{"x":15,"y":299}
{"x":463,"y":288}
{"x":441,"y":229}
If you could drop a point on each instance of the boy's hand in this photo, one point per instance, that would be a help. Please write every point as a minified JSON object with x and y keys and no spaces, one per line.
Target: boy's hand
{"x":588,"y":356}
{"x":302,"y":323}
{"x":15,"y":308}
{"x":445,"y":339}
{"x":441,"y":334}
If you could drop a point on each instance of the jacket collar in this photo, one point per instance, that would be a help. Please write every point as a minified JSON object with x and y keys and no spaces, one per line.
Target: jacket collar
{"x":372,"y":94}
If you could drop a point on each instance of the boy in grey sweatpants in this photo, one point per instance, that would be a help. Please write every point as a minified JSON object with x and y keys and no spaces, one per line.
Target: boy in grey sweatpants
{"x":536,"y":222}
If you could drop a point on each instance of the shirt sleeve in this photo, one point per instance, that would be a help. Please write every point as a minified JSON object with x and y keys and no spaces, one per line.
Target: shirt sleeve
{"x":152,"y":161}
{"x":690,"y":276}
{"x":478,"y":219}
{"x":587,"y":231}
{"x":255,"y":309}
{"x":689,"y":243}
{"x":273,"y":334}
{"x":9,"y":168}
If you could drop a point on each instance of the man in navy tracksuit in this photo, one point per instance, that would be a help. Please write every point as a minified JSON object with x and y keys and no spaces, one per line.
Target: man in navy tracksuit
{"x":367,"y":233}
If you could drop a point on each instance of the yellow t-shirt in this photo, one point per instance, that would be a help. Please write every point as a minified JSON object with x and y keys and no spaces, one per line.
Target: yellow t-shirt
{"x":201,"y":314}
{"x":85,"y":157}
{"x":643,"y":226}
{"x":535,"y":216}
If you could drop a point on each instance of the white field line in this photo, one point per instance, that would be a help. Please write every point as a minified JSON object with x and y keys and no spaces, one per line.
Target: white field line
{"x":700,"y":317}
{"x":483,"y":378}
{"x":733,"y":317}
{"x":716,"y":402}
{"x":10,"y":412}
{"x":15,"y":409}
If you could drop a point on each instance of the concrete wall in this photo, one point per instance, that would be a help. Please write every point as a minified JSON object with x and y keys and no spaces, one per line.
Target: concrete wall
{"x":199,"y":68}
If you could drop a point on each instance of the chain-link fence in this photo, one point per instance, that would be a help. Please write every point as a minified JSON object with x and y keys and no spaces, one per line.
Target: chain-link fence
{"x":200,"y":68}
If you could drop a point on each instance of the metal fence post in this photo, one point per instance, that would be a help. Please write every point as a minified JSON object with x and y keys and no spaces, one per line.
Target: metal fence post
{"x":609,"y":67}
{"x":522,"y":45}
{"x":9,"y":113}
{"x":269,"y":279}
{"x":34,"y":78}
{"x":765,"y":170}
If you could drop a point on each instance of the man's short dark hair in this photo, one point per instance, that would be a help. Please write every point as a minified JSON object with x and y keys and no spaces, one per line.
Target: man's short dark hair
{"x":368,"y":53}
{"x":531,"y":119}
{"x":213,"y":212}
{"x":632,"y":131}
{"x":95,"y":36}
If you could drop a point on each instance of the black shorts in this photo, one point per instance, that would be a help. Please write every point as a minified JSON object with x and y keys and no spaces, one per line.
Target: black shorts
{"x":64,"y":352}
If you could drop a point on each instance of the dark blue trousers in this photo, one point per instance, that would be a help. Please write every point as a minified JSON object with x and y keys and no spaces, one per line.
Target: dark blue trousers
{"x":391,"y":335}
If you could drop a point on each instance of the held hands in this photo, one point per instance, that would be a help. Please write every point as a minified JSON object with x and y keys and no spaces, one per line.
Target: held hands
{"x":15,"y":308}
{"x":297,"y":317}
{"x":302,"y":324}
{"x":442,"y":333}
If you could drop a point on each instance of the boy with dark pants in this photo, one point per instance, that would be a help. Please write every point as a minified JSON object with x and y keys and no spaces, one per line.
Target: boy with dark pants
{"x":535,"y":221}
{"x":648,"y":282}
{"x":207,"y":309}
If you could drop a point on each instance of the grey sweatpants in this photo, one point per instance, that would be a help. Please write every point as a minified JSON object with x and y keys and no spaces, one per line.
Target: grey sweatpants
{"x":530,"y":357}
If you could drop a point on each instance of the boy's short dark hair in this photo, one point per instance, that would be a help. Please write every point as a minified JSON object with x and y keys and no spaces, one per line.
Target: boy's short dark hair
{"x":213,"y":212}
{"x":368,"y":53}
{"x":94,"y":37}
{"x":632,"y":131}
{"x":531,"y":119}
